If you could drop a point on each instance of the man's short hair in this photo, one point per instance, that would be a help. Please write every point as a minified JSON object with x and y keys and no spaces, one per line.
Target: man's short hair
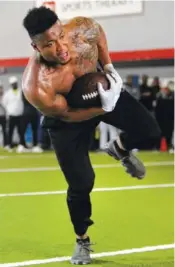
{"x":38,"y":20}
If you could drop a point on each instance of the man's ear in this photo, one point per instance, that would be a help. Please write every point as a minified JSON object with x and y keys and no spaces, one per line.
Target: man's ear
{"x":34,"y":46}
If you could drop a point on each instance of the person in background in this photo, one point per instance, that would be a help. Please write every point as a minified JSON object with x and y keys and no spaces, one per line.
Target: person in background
{"x":13,"y":104}
{"x":171,"y":150}
{"x":155,"y":87}
{"x":146,"y":94}
{"x":3,"y":117}
{"x":107,"y":134}
{"x":172,"y":88}
{"x":30,"y":116}
{"x":128,"y":86}
{"x":165,"y":112}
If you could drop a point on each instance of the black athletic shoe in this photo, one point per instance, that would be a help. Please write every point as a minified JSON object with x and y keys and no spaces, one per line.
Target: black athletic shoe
{"x":132,"y":164}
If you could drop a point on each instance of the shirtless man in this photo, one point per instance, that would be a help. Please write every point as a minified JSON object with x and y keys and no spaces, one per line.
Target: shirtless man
{"x":64,"y":53}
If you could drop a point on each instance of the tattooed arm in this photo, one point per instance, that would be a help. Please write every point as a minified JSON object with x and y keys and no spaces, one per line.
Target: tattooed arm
{"x":95,"y":35}
{"x":103,"y":53}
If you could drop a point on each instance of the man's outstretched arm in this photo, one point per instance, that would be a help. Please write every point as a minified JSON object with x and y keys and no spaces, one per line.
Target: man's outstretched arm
{"x":57,"y":105}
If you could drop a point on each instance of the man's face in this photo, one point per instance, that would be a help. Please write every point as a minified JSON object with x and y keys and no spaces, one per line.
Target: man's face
{"x":14,"y":85}
{"x":53,"y":44}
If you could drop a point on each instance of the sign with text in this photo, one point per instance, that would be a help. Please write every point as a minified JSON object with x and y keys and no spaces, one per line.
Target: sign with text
{"x":67,"y":9}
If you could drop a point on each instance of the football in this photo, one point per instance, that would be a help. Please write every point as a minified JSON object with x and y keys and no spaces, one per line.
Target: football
{"x":84,"y":92}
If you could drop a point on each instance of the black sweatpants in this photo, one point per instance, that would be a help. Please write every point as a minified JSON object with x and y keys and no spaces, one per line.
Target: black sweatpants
{"x":4,"y":132}
{"x":71,"y":142}
{"x":14,"y":122}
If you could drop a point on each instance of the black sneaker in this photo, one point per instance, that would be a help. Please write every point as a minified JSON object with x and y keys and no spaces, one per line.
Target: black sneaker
{"x":132,"y":164}
{"x":82,"y":251}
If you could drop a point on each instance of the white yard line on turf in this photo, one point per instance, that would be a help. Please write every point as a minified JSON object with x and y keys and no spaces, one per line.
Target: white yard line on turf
{"x":96,"y":255}
{"x":52,"y":154}
{"x":4,"y":157}
{"x":30,"y":156}
{"x":40,"y":155}
{"x":61,"y":192}
{"x":96,"y":166}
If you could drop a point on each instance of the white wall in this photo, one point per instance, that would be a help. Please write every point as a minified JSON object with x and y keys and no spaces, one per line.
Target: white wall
{"x":152,"y":29}
{"x":14,"y":40}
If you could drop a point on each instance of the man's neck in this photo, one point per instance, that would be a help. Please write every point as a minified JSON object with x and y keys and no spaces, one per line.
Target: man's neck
{"x":48,"y":64}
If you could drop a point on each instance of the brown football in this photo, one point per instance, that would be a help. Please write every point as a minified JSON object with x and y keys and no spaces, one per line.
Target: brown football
{"x":84,"y":92}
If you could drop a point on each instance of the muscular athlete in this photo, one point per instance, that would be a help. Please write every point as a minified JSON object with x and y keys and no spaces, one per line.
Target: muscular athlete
{"x":62,"y":54}
{"x":68,"y":51}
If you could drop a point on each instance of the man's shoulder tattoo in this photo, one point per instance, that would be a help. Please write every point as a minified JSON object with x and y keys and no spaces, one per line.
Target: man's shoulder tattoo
{"x":88,"y":28}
